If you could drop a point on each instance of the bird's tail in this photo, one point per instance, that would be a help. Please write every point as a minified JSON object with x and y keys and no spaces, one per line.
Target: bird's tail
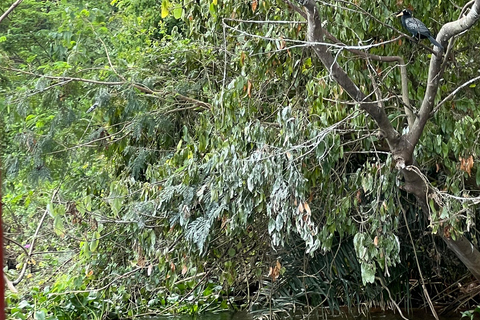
{"x":435,"y":42}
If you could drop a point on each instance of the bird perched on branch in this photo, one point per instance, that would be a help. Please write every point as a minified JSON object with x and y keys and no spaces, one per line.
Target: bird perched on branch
{"x":93,"y":107}
{"x":416,"y":27}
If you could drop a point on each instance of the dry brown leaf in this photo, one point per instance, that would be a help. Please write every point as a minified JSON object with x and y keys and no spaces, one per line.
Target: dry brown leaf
{"x":466,"y":165}
{"x":249,"y":88}
{"x":307,"y":208}
{"x":254,"y":5}
{"x":359,"y":196}
{"x":300,"y":207}
{"x":446,"y":232}
{"x":275,"y":271}
{"x":242,"y":57}
{"x":224,"y":221}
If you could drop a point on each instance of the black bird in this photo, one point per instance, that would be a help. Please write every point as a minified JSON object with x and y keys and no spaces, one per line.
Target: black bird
{"x":416,"y":27}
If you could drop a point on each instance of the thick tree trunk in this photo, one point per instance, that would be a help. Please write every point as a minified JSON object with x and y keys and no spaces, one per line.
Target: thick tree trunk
{"x":466,"y":252}
{"x":461,"y":246}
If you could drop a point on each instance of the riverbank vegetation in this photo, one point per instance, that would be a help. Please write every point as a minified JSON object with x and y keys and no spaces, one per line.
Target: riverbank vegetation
{"x":164,"y":157}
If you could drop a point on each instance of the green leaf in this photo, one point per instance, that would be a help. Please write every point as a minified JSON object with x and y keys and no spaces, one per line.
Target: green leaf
{"x":50,"y":209}
{"x":58,"y":225}
{"x":95,"y":242}
{"x":177,"y":12}
{"x":271,"y":225}
{"x":88,"y":202}
{"x":40,"y":315}
{"x":212,"y":9}
{"x":477,"y":177}
{"x":250,"y":184}
{"x":368,"y":273}
{"x":279,"y":222}
{"x":444,"y":213}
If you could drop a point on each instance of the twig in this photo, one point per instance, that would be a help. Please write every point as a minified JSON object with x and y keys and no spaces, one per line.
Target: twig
{"x":13,"y":6}
{"x":425,"y":291}
{"x":138,"y":86}
{"x":391,"y":298}
{"x":32,"y":245}
{"x":17,"y":243}
{"x":454,"y":92}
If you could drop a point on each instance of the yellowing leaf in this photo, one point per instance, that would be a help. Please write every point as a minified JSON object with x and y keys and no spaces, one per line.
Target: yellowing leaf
{"x":58,"y":226}
{"x":165,"y":12}
{"x":215,"y":2}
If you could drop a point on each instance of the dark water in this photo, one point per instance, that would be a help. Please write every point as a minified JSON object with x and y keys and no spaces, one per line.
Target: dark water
{"x":416,"y":315}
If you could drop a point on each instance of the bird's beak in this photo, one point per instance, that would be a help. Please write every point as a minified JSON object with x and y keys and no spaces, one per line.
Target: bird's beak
{"x":400,"y":14}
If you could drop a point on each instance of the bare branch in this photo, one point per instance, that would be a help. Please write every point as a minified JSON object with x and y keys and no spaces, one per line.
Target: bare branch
{"x":140,"y":87}
{"x":454,"y":92}
{"x":403,"y":73}
{"x":13,"y":6}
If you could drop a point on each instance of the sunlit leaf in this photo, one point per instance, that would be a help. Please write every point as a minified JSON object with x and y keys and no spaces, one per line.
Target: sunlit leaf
{"x":177,"y":12}
{"x":165,"y":8}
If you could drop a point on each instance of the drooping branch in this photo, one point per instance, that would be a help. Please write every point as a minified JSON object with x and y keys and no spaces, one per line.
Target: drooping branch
{"x":141,"y":87}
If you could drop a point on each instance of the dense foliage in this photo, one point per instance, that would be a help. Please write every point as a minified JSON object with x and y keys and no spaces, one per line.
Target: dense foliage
{"x":165,"y":156}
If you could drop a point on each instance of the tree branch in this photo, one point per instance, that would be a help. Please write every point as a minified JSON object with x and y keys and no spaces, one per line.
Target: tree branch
{"x":137,"y":86}
{"x":13,"y":6}
{"x":315,"y":34}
